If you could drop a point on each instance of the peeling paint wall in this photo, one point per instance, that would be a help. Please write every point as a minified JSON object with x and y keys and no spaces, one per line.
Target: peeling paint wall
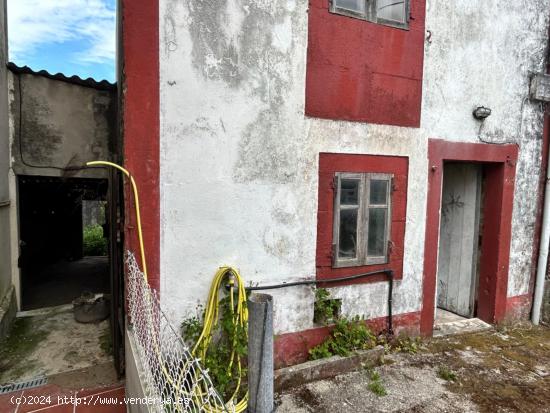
{"x":56,"y":123}
{"x":239,"y":159}
{"x":5,"y":270}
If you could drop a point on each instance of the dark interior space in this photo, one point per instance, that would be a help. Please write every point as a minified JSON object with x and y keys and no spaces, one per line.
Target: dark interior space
{"x":54,"y":270}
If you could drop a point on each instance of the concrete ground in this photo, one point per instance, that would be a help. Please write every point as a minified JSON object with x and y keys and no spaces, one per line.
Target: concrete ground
{"x":51,"y":343}
{"x":492,"y":371}
{"x":61,"y":282}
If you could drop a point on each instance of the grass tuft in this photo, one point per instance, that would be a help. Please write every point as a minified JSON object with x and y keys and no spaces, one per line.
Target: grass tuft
{"x":446,"y":373}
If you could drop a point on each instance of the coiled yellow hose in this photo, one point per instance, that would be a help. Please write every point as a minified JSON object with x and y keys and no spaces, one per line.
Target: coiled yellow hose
{"x":211,"y":318}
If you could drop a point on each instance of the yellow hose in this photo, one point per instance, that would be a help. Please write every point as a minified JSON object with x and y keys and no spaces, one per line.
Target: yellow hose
{"x":138,"y":214}
{"x":211,"y":318}
{"x":210,"y":315}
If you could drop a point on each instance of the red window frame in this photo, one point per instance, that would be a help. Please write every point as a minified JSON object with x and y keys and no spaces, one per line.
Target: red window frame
{"x":329,"y":164}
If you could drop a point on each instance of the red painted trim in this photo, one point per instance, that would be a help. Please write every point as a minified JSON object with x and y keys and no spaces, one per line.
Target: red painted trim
{"x":292,"y":348}
{"x":361,"y":71}
{"x":140,"y":50}
{"x":499,"y":173}
{"x":519,"y":307}
{"x":329,"y":164}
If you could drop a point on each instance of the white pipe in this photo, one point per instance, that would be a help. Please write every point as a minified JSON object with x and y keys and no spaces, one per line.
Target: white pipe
{"x":543,"y":251}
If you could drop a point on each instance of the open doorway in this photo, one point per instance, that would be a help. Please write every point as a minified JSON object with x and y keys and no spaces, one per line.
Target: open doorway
{"x":459,"y":241}
{"x":496,"y":165}
{"x":63,"y":240}
{"x":71,"y":283}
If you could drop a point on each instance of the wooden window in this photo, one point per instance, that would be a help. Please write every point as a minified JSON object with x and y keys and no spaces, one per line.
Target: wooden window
{"x":361,"y":215}
{"x":361,"y":219}
{"x":388,"y":12}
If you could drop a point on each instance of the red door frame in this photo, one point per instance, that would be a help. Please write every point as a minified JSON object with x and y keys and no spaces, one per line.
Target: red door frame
{"x":499,"y":163}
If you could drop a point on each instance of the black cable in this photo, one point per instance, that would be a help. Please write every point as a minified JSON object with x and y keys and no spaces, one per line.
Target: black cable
{"x":309,"y":282}
{"x":388,"y":272}
{"x":20,"y":136}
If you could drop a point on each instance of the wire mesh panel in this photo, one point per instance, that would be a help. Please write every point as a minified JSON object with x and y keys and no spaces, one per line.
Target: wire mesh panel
{"x":174,"y":378}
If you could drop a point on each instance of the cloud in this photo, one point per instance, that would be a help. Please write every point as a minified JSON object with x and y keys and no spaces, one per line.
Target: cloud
{"x":33,"y":24}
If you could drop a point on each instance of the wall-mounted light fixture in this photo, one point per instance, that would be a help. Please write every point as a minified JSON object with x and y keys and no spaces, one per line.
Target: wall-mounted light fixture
{"x":481,"y":112}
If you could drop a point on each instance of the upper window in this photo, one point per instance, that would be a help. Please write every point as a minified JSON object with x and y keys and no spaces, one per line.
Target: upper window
{"x":389,"y":12}
{"x":361,"y":219}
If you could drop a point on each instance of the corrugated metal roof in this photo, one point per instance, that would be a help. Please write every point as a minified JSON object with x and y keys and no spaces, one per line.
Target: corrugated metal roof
{"x":91,"y":83}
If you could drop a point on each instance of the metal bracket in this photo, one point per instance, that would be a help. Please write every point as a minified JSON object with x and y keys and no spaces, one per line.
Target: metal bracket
{"x":540,"y":87}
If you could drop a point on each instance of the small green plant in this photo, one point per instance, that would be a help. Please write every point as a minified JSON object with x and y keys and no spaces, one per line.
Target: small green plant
{"x":321,"y":351}
{"x":325,"y":309}
{"x":228,"y":337}
{"x":191,"y":329}
{"x":405,"y":344}
{"x":347,"y":335}
{"x":375,"y":385}
{"x":446,"y":373}
{"x":94,"y":243}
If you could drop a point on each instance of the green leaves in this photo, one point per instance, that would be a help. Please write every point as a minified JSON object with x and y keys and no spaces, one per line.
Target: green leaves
{"x":348,"y":335}
{"x":94,"y":242}
{"x":230,"y":344}
{"x":325,"y":310}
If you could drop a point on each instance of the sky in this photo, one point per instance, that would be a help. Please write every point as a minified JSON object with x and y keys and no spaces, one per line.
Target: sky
{"x":74,"y":37}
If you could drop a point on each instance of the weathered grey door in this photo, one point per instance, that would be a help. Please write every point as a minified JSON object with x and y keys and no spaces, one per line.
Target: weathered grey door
{"x":458,"y":238}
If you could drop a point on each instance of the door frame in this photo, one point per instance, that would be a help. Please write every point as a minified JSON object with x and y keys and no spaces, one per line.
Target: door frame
{"x":499,"y":171}
{"x":116,"y":268}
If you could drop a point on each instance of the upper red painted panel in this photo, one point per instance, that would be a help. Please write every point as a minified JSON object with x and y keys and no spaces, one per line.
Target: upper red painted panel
{"x":363,"y":71}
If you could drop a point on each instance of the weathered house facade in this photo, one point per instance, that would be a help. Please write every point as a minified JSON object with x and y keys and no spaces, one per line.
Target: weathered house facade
{"x":312,"y":140}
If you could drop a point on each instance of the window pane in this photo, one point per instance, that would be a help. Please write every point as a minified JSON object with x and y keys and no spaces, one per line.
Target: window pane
{"x":347,"y":247}
{"x":349,"y":192}
{"x":377,"y":231}
{"x":391,"y":10}
{"x":357,"y":6}
{"x":378,"y":191}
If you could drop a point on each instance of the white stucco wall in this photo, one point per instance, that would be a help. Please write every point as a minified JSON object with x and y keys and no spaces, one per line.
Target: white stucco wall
{"x":239,"y":160}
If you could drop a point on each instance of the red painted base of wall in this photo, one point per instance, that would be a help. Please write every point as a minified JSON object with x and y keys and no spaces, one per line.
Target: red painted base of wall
{"x":518,"y":308}
{"x":292,"y":348}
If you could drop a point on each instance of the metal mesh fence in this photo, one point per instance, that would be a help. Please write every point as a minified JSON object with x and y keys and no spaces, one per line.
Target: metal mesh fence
{"x":173,"y":378}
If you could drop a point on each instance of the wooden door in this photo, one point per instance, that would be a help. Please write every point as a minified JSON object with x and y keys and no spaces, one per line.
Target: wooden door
{"x":458,"y":238}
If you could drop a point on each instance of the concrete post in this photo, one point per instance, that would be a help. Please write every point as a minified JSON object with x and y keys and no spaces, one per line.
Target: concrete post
{"x":260,"y":353}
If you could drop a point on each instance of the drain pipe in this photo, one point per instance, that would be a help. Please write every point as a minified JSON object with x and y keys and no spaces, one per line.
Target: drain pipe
{"x":543,"y":251}
{"x":260,"y":353}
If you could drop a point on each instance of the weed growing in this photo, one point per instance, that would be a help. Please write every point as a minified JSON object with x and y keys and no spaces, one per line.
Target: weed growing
{"x":375,"y":385}
{"x":325,"y":309}
{"x":348,"y":335}
{"x":228,"y":337}
{"x":446,"y":373}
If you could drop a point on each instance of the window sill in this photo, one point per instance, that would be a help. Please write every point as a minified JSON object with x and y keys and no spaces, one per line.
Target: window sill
{"x":329,"y":273}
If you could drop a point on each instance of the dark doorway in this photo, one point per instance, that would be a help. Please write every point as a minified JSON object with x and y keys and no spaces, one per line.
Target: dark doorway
{"x":60,"y":257}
